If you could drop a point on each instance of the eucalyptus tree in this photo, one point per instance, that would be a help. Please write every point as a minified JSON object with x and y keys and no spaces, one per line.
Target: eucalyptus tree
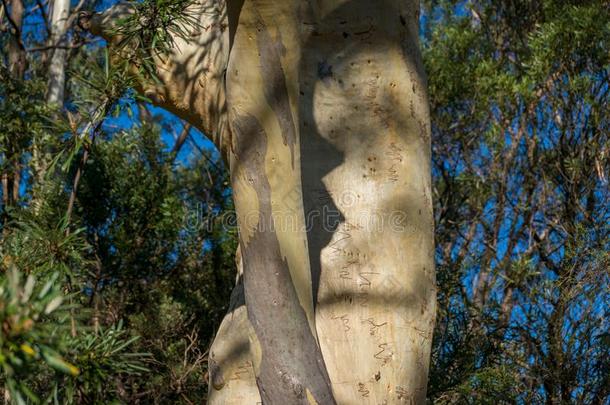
{"x":320,"y":111}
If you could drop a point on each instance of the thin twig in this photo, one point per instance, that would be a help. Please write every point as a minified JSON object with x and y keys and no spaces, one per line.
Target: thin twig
{"x":48,"y":47}
{"x":93,"y":126}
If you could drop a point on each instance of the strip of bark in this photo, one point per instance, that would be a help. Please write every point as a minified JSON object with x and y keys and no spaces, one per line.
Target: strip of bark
{"x":292,"y":363}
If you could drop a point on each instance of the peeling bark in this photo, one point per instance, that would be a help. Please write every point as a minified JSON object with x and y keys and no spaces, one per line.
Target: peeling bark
{"x":287,"y":360}
{"x":290,"y":368}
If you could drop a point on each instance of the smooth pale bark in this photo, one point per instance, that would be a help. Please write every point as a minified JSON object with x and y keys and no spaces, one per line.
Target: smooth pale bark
{"x":230,"y":364}
{"x":57,"y":66}
{"x":326,"y":115}
{"x":365,"y":153}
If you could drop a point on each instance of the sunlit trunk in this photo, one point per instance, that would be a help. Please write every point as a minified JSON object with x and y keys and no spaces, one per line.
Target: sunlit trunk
{"x":57,"y":67}
{"x":365,"y":150}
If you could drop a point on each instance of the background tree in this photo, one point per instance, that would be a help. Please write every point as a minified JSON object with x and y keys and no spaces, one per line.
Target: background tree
{"x":519,"y":94}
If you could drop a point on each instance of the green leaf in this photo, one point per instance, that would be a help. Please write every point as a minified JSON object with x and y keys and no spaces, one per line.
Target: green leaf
{"x":53,"y":304}
{"x":59,"y":364}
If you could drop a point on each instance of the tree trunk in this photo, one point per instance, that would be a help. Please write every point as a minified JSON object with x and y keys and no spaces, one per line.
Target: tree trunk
{"x":57,"y":67}
{"x":327,"y":116}
{"x":55,"y":93}
{"x":365,"y":156}
{"x":16,"y":51}
{"x":17,"y":62}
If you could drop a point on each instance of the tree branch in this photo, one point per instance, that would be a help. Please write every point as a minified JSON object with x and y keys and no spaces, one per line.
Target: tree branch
{"x":186,"y":128}
{"x":13,"y":24}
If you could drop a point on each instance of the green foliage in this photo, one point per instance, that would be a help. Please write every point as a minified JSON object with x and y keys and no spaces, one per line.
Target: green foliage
{"x":519,"y":97}
{"x":100,"y":357}
{"x":150,"y":31}
{"x":46,"y":247}
{"x":23,"y":115}
{"x":491,"y":385}
{"x":140,"y":278}
{"x":42,"y":356}
{"x":33,"y":319}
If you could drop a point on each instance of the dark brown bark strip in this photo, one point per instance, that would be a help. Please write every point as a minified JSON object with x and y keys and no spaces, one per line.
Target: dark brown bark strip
{"x":292,"y":362}
{"x":16,"y":51}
